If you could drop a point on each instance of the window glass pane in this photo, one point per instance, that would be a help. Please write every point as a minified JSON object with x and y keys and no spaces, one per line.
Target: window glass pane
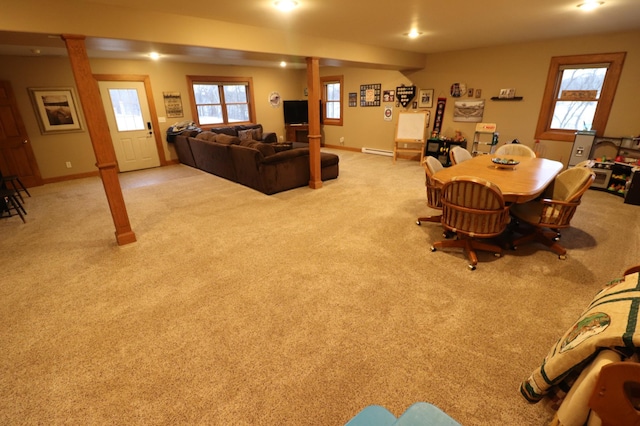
{"x":573,"y":115}
{"x":235,"y":93}
{"x":333,"y":91}
{"x":126,"y":108}
{"x":206,"y":93}
{"x":210,"y":114}
{"x":237,"y":112}
{"x":582,"y":79}
{"x":333,"y":110}
{"x":577,"y":98}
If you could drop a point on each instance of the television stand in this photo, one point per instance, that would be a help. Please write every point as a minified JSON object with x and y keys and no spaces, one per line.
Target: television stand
{"x":297,"y":132}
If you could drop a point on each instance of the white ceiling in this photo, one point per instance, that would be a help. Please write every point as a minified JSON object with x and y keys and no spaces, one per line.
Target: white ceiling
{"x":445,"y":25}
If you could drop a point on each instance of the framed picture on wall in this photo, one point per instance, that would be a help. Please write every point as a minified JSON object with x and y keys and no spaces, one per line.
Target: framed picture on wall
{"x":353,"y":99}
{"x":425,"y":98}
{"x":56,"y":109}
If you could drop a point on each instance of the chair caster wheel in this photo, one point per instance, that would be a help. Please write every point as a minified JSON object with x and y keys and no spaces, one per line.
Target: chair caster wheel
{"x":562,"y":257}
{"x":432,"y":248}
{"x":418,"y":223}
{"x":472,"y":267}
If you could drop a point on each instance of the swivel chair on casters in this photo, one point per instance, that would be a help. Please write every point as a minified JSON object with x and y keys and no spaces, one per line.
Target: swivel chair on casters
{"x":431,"y":166}
{"x":473,"y":209}
{"x":545,"y":217}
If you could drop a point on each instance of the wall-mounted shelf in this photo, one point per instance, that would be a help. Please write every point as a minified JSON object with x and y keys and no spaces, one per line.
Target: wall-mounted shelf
{"x":515,"y":98}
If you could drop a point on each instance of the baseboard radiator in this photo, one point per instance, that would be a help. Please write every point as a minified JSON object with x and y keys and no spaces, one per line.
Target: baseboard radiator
{"x":377,"y":152}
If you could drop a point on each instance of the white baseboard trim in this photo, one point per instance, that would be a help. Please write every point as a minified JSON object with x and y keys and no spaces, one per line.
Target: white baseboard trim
{"x":377,"y":151}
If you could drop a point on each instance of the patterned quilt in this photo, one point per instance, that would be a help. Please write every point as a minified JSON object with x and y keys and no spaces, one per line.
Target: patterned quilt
{"x":609,"y":322}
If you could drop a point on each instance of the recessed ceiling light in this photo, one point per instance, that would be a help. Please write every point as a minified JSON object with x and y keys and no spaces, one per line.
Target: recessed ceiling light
{"x":590,"y":5}
{"x":413,"y":33}
{"x":285,"y":5}
{"x":154,"y":55}
{"x":283,"y":64}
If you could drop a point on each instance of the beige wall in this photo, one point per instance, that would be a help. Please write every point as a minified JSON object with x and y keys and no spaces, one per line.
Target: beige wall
{"x":52,"y":151}
{"x":364,"y":126}
{"x":522,"y":66}
{"x":525,"y":67}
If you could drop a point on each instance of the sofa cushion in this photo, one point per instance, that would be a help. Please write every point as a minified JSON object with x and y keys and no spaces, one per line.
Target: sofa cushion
{"x":265,"y":149}
{"x":207,"y":136}
{"x":227,"y":140}
{"x":213,"y":157}
{"x":231,"y":131}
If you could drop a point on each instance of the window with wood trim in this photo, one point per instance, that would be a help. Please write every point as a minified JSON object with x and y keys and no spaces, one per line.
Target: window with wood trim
{"x":332,"y":100}
{"x":220,"y":101}
{"x":578,"y":95}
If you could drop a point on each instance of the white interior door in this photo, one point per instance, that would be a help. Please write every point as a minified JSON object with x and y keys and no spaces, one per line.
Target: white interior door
{"x":125,"y":103}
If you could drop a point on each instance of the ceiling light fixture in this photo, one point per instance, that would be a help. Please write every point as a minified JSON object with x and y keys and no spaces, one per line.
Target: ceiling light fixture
{"x":413,"y":33}
{"x":285,"y":5}
{"x":154,"y":55}
{"x":283,"y":64}
{"x":590,"y":5}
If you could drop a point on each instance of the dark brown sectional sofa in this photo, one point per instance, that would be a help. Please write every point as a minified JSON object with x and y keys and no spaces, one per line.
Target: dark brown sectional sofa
{"x":258,"y":165}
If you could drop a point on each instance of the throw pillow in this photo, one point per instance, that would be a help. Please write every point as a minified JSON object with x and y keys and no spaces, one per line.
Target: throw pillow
{"x":257,"y":133}
{"x":246,"y":135}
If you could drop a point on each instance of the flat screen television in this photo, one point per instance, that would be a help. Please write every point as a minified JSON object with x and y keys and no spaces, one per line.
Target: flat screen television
{"x":297,"y":112}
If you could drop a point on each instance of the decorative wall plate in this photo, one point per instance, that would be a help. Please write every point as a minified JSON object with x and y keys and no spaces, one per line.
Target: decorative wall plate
{"x":274,"y":99}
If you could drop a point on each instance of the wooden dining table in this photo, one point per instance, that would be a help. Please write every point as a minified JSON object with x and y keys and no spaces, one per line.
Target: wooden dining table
{"x":519,"y":184}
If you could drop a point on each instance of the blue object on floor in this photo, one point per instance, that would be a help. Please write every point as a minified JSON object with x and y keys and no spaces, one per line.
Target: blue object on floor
{"x":424,"y":414}
{"x":419,"y":414}
{"x":373,"y":415}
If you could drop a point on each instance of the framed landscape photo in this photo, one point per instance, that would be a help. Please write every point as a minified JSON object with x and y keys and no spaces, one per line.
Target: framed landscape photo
{"x":56,"y":110}
{"x":425,"y":98}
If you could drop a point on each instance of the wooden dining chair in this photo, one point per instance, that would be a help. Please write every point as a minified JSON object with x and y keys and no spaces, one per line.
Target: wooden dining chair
{"x":545,"y":217}
{"x":458,"y":154}
{"x":515,"y":149}
{"x":431,"y":166}
{"x":473,"y":209}
{"x":616,"y":395}
{"x":632,"y":270}
{"x":585,"y":163}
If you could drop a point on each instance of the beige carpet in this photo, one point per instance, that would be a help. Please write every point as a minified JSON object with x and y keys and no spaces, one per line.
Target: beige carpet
{"x":301,"y":308}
